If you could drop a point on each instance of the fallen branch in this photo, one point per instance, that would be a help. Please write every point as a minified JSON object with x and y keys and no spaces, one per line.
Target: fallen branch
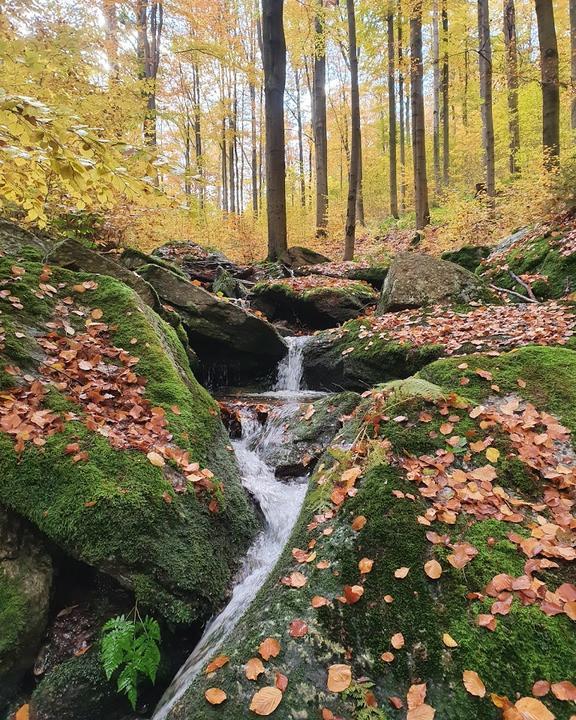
{"x":524,"y":298}
{"x":525,"y":285}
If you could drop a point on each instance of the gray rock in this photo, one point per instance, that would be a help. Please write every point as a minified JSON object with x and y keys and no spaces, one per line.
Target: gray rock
{"x":221,"y":333}
{"x":297,"y":256}
{"x":416,"y":280}
{"x":25,"y":581}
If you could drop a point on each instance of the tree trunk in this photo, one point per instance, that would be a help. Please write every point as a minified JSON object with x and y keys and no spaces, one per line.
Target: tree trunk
{"x":319,"y":122}
{"x":149,"y":23}
{"x":512,"y":83}
{"x":445,"y":86}
{"x":360,"y":193}
{"x":354,"y":169}
{"x":550,"y":81}
{"x":436,"y":96}
{"x":224,"y":159}
{"x":254,"y":139}
{"x":485,"y":66}
{"x":418,"y":125}
{"x":392,"y":115}
{"x":198,"y":132}
{"x":274,"y":61}
{"x":573,"y":61}
{"x":111,"y":28}
{"x":401,"y":108}
{"x":300,"y":140}
{"x":466,"y":79}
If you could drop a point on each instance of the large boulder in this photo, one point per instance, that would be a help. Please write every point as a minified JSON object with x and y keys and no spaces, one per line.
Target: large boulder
{"x":417,"y":280}
{"x":297,"y":256}
{"x":221,"y":332}
{"x":468,"y":256}
{"x":110,"y":446}
{"x":25,"y":582}
{"x":432,"y":563}
{"x":372,"y":273}
{"x":199,"y":263}
{"x":314,"y":302}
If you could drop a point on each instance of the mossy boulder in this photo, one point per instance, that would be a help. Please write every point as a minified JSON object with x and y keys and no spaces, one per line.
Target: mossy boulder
{"x":297,"y":256}
{"x":372,"y":273}
{"x":546,"y":261}
{"x":307,"y":432}
{"x":372,"y":544}
{"x":221,"y":333}
{"x":25,"y":584}
{"x":468,"y":256}
{"x":111,"y":507}
{"x":416,"y":280}
{"x":314,"y":302}
{"x":345,"y":359}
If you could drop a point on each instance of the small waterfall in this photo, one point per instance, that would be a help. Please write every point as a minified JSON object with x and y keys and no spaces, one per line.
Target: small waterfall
{"x":291,"y":369}
{"x":280,"y":503}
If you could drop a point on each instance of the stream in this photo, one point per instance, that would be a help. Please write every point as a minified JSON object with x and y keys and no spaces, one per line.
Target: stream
{"x":279,"y":501}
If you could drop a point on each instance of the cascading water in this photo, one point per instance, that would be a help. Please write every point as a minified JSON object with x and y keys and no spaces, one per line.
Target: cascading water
{"x":280,"y":503}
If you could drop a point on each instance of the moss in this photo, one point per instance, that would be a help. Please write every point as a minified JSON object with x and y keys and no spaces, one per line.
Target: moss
{"x":177,"y":557}
{"x":469,"y":256}
{"x":13,"y":612}
{"x":359,"y":290}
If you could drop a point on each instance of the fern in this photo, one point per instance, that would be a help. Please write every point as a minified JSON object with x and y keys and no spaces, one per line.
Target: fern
{"x":131,"y":647}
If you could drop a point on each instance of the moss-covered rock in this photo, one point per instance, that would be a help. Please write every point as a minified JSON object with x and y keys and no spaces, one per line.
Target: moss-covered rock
{"x":345,"y":359}
{"x":315,"y":301}
{"x":469,"y":256}
{"x":546,"y":262}
{"x":297,"y":256}
{"x":418,"y":280}
{"x":25,"y":582}
{"x":112,"y":508}
{"x":387,"y":518}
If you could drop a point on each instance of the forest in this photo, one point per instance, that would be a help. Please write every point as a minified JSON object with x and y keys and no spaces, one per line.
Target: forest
{"x":288,"y":359}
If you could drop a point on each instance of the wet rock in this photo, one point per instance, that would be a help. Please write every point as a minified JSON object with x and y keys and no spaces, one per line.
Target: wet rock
{"x":25,"y":583}
{"x":198,"y":263}
{"x":298,"y":256}
{"x":226,"y":285}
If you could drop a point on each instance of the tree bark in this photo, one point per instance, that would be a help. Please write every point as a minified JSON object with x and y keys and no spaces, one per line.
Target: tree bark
{"x":485,"y":66}
{"x":418,"y":125}
{"x":401,"y":108}
{"x":510,"y":44}
{"x":573,"y":61}
{"x":111,"y":29}
{"x":445,"y":87}
{"x":300,"y":139}
{"x":392,"y":115}
{"x":319,"y":122}
{"x":436,"y":95}
{"x":550,"y":81}
{"x":274,"y":61}
{"x":198,"y":132}
{"x":149,"y":23}
{"x":354,"y":169}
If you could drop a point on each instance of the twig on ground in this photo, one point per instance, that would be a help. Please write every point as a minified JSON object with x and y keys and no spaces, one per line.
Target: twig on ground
{"x":525,"y":285}
{"x":524,"y":298}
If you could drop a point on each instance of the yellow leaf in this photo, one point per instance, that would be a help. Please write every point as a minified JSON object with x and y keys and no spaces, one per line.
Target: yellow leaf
{"x":449,"y":641}
{"x":492,"y":454}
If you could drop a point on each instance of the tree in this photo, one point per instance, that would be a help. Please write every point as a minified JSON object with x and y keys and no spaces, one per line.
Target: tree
{"x":573,"y":61}
{"x":485,"y":67}
{"x":510,"y":43}
{"x":319,"y":121}
{"x":436,"y":95}
{"x":401,"y":107}
{"x":418,"y":124}
{"x":149,"y":23}
{"x":274,"y":61}
{"x":354,"y":169}
{"x":445,"y":86}
{"x":550,"y":81}
{"x":392,"y":114}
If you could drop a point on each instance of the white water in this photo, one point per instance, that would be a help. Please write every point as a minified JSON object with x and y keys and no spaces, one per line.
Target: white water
{"x":280,"y":503}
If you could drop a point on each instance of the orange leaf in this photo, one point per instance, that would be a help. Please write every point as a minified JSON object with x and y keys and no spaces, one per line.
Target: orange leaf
{"x":416,"y":695}
{"x":397,"y":641}
{"x":422,"y":712}
{"x":156,"y":459}
{"x":270,"y":647}
{"x":401,"y":572}
{"x":540,"y":688}
{"x":449,"y":641}
{"x":281,"y":682}
{"x":359,"y":522}
{"x":387,"y":657}
{"x":217,"y":663}
{"x":564,"y":690}
{"x":298,"y":629}
{"x":318,"y":601}
{"x":266,"y":700}
{"x":215,"y":696}
{"x":254,"y":668}
{"x":23,"y":712}
{"x":365,"y":566}
{"x":433,"y":569}
{"x":473,"y":683}
{"x":533,"y":709}
{"x":353,"y":593}
{"x":295,"y":580}
{"x":339,"y":677}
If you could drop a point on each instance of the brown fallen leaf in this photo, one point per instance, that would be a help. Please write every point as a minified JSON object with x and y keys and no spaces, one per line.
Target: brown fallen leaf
{"x":266,"y":700}
{"x":449,"y":641}
{"x":353,"y":593}
{"x":216,"y":664}
{"x":215,"y":696}
{"x":319,"y":601}
{"x":397,"y":641}
{"x":540,"y":688}
{"x":295,"y":580}
{"x":401,"y":572}
{"x":298,"y":629}
{"x":564,"y":690}
{"x":281,"y":682}
{"x":156,"y":459}
{"x":254,"y":668}
{"x":387,"y":657}
{"x":422,"y":712}
{"x":473,"y":683}
{"x":23,"y":712}
{"x":416,"y":695}
{"x":339,"y":677}
{"x":433,"y":569}
{"x":532,"y":709}
{"x":365,"y":566}
{"x":270,"y":647}
{"x":359,"y":522}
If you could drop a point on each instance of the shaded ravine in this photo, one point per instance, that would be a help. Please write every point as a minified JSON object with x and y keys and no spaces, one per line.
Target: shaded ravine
{"x":280,"y":503}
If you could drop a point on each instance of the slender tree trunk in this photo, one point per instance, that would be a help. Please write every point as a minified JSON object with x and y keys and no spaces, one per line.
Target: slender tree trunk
{"x":274,"y":60}
{"x":354,"y":169}
{"x":319,"y":122}
{"x":512,"y":83}
{"x":254,"y":139}
{"x":436,"y":96}
{"x":198,"y":132}
{"x":392,"y":115}
{"x":224,"y":163}
{"x":149,"y":24}
{"x":550,"y":81}
{"x":401,"y":108}
{"x":485,"y":66}
{"x":466,"y":79}
{"x":187,"y":161}
{"x":300,"y":139}
{"x":407,"y":111}
{"x":360,"y":220}
{"x":445,"y":86}
{"x":418,"y":125}
{"x":111,"y":28}
{"x":573,"y":61}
